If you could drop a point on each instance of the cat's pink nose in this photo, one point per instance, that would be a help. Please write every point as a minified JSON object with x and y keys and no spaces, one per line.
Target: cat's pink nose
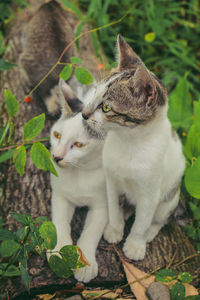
{"x":57,"y":158}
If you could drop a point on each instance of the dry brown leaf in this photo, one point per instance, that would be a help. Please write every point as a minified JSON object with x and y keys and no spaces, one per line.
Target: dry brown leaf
{"x":94,"y":294}
{"x":132,"y":274}
{"x":45,"y":296}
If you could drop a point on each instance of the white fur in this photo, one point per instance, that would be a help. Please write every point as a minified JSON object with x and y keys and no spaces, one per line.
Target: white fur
{"x":80,"y":183}
{"x":145,"y":163}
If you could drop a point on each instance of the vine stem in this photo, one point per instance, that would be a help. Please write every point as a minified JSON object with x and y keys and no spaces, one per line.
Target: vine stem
{"x":73,"y":41}
{"x":24,"y":143}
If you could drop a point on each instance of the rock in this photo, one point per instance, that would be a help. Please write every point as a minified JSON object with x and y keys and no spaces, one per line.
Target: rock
{"x":158,"y":291}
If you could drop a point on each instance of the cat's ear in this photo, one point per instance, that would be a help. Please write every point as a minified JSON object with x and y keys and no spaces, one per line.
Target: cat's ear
{"x":127,"y":58}
{"x":69,"y":102}
{"x":143,"y":83}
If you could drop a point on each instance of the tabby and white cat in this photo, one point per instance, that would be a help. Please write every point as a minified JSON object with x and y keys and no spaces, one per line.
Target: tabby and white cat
{"x":142,"y":156}
{"x":81,"y":182}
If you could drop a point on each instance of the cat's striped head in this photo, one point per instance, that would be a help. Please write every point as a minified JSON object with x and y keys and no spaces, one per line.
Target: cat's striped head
{"x":130,"y":96}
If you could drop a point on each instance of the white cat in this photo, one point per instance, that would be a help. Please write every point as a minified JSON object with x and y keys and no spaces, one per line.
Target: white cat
{"x":142,"y":155}
{"x":78,"y":161}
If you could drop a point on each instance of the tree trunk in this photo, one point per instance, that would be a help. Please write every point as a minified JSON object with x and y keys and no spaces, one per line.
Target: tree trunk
{"x":31,"y":193}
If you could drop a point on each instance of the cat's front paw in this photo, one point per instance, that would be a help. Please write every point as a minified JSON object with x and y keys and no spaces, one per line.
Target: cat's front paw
{"x":113,"y":235}
{"x":87,"y":273}
{"x":134,"y":249}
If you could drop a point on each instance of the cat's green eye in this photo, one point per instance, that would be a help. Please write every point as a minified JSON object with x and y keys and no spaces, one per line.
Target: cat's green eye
{"x":79,"y":145}
{"x":106,"y":108}
{"x":57,"y":135}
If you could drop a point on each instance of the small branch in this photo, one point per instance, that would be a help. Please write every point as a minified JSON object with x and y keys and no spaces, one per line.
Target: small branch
{"x":24,"y":143}
{"x":185,"y":259}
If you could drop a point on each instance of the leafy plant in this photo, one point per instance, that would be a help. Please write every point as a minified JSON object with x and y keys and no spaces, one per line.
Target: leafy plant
{"x":178,"y":288}
{"x":7,"y":10}
{"x":35,"y":236}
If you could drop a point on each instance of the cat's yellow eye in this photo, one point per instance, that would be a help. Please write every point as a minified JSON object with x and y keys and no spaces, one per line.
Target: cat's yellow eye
{"x":106,"y":108}
{"x":79,"y":145}
{"x":57,"y":135}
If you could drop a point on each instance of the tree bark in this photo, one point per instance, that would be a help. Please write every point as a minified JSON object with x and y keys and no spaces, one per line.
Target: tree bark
{"x":31,"y":193}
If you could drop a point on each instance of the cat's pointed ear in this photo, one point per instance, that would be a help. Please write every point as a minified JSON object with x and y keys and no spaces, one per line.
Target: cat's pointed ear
{"x":127,"y":58}
{"x":144,"y":83}
{"x":69,"y":102}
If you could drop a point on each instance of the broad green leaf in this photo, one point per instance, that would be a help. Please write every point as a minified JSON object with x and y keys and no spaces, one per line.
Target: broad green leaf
{"x":195,"y":210}
{"x":193,"y":297}
{"x":33,"y":127}
{"x":66,"y":72}
{"x":6,"y":65}
{"x":11,"y":103}
{"x":180,"y":106}
{"x":165,"y":275}
{"x":83,"y":76}
{"x":11,"y":132}
{"x":26,"y":278}
{"x":41,"y":219}
{"x":74,"y":256}
{"x":197,"y":114}
{"x":10,"y":271}
{"x":21,"y":233}
{"x":41,"y":158}
{"x":6,"y":235}
{"x":48,"y":233}
{"x":19,"y":159}
{"x":192,"y":146}
{"x":22,"y":218}
{"x":192,"y":179}
{"x":60,"y":267}
{"x":6,"y":155}
{"x":150,"y":37}
{"x":8,"y":248}
{"x":178,"y":291}
{"x":185,"y":277}
{"x":190,"y":231}
{"x":75,"y":60}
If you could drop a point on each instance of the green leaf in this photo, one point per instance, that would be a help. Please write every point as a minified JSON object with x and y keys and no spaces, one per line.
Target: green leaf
{"x":83,"y":76}
{"x":185,"y":277}
{"x":6,"y":235}
{"x":11,"y":132}
{"x":73,"y":256}
{"x":78,"y":31}
{"x":192,"y":146}
{"x":165,"y":275}
{"x":197,"y":114}
{"x":192,"y":179}
{"x":26,"y":278}
{"x":150,"y":37}
{"x":60,"y":267}
{"x":7,"y":155}
{"x":41,"y":158}
{"x":8,"y":248}
{"x":75,"y":60}
{"x":66,"y":72}
{"x":21,"y":233}
{"x":11,"y":103}
{"x":41,"y":219}
{"x":195,"y":210}
{"x":22,"y":218}
{"x":19,"y":159}
{"x":178,"y":291}
{"x":6,"y":65}
{"x":73,"y":7}
{"x":10,"y":271}
{"x":48,"y":232}
{"x":180,"y":108}
{"x":33,"y":127}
